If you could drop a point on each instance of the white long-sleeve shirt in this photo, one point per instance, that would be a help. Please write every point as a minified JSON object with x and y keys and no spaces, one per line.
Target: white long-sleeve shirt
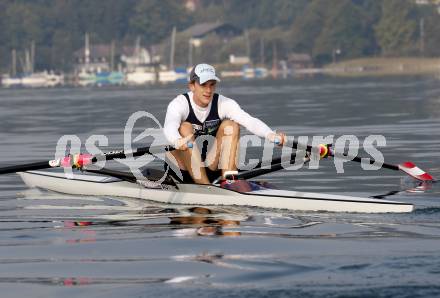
{"x":178,"y":111}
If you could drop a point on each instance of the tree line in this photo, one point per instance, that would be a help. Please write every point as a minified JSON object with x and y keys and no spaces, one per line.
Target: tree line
{"x":274,"y":28}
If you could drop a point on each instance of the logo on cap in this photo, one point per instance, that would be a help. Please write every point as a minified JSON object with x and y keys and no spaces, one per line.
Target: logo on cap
{"x":209,"y":69}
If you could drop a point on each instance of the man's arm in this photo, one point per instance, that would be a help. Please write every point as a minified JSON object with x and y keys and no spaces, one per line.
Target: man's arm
{"x":177,"y":112}
{"x":230,"y":109}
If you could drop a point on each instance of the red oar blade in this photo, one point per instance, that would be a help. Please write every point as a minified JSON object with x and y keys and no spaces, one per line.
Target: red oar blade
{"x":415,"y":172}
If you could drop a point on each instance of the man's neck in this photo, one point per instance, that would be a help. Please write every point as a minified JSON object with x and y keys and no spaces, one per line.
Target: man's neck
{"x":199,"y":103}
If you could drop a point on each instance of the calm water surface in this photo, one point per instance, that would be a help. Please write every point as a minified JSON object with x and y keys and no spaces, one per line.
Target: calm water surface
{"x":54,"y":245}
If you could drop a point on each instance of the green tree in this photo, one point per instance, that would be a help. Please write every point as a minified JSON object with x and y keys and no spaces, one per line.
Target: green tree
{"x":269,"y":44}
{"x":346,"y":33}
{"x":22,"y":21}
{"x":261,"y":14}
{"x":22,"y":25}
{"x":154,"y":19}
{"x":429,"y":43}
{"x":306,"y":29}
{"x":432,"y":38}
{"x":396,"y":32}
{"x":357,"y":27}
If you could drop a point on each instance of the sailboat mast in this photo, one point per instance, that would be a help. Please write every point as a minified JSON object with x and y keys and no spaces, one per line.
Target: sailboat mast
{"x":87,"y":51}
{"x":14,"y":63}
{"x":137,"y":50}
{"x":173,"y":41}
{"x":112,"y":56}
{"x":247,"y":43}
{"x":27,"y":61}
{"x":32,"y":59}
{"x":190,"y":52}
{"x":262,"y":61}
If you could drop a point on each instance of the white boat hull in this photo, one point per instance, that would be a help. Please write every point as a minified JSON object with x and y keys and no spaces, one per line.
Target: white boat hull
{"x":140,"y":78}
{"x":171,"y":76}
{"x":41,"y":79}
{"x":192,"y":194}
{"x":11,"y":82}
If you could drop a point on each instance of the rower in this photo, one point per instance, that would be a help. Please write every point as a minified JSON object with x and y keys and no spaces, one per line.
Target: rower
{"x":202,"y":112}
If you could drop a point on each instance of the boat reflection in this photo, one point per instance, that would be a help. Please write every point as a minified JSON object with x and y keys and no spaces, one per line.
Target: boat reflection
{"x":407,"y":185}
{"x":203,"y":223}
{"x":86,"y":235}
{"x":92,"y":280}
{"x":187,"y":222}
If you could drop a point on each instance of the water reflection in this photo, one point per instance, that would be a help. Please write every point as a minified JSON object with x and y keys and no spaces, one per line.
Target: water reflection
{"x":203,"y":225}
{"x":183,"y":222}
{"x":87,"y":281}
{"x":409,"y":186}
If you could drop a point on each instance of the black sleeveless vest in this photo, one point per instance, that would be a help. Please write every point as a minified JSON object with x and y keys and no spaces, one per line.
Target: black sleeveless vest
{"x":211,"y":124}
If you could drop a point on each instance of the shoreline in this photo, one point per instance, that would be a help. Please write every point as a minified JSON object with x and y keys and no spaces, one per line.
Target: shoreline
{"x":384,"y":67}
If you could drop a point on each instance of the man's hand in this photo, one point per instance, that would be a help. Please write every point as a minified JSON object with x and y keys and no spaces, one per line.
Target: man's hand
{"x":184,"y":143}
{"x":278,"y":138}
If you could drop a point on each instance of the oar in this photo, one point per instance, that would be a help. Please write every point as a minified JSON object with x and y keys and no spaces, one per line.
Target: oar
{"x":276,"y":165}
{"x":151,"y":174}
{"x":408,"y":167}
{"x":107,"y":156}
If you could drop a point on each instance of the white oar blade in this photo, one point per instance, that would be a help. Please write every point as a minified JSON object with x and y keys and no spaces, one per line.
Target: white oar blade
{"x":415,"y":172}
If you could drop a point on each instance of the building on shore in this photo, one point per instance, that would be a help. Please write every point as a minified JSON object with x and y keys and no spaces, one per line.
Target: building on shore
{"x":200,"y":31}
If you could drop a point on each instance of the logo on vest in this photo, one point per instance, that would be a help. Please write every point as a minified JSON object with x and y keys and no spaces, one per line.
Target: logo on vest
{"x":211,"y":126}
{"x":197,"y":128}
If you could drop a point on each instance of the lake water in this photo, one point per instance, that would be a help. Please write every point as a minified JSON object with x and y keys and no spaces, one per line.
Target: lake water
{"x":54,"y":245}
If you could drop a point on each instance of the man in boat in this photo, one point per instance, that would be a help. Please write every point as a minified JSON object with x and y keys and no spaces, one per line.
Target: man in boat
{"x":201,"y":112}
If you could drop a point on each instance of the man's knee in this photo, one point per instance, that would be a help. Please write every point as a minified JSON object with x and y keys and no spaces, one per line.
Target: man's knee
{"x":230,"y":127}
{"x":186,"y":129}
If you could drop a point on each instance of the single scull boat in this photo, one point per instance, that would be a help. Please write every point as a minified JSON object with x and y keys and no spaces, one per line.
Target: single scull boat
{"x":114,"y":183}
{"x":194,"y":194}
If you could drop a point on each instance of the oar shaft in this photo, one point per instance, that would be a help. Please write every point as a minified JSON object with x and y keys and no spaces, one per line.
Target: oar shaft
{"x":26,"y":167}
{"x":358,"y":159}
{"x":259,"y":171}
{"x":407,"y":167}
{"x":276,"y":165}
{"x":107,"y":156}
{"x":363,"y":160}
{"x":124,"y":154}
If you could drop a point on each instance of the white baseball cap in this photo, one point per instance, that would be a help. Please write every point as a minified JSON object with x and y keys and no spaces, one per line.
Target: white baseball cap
{"x":203,"y":73}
